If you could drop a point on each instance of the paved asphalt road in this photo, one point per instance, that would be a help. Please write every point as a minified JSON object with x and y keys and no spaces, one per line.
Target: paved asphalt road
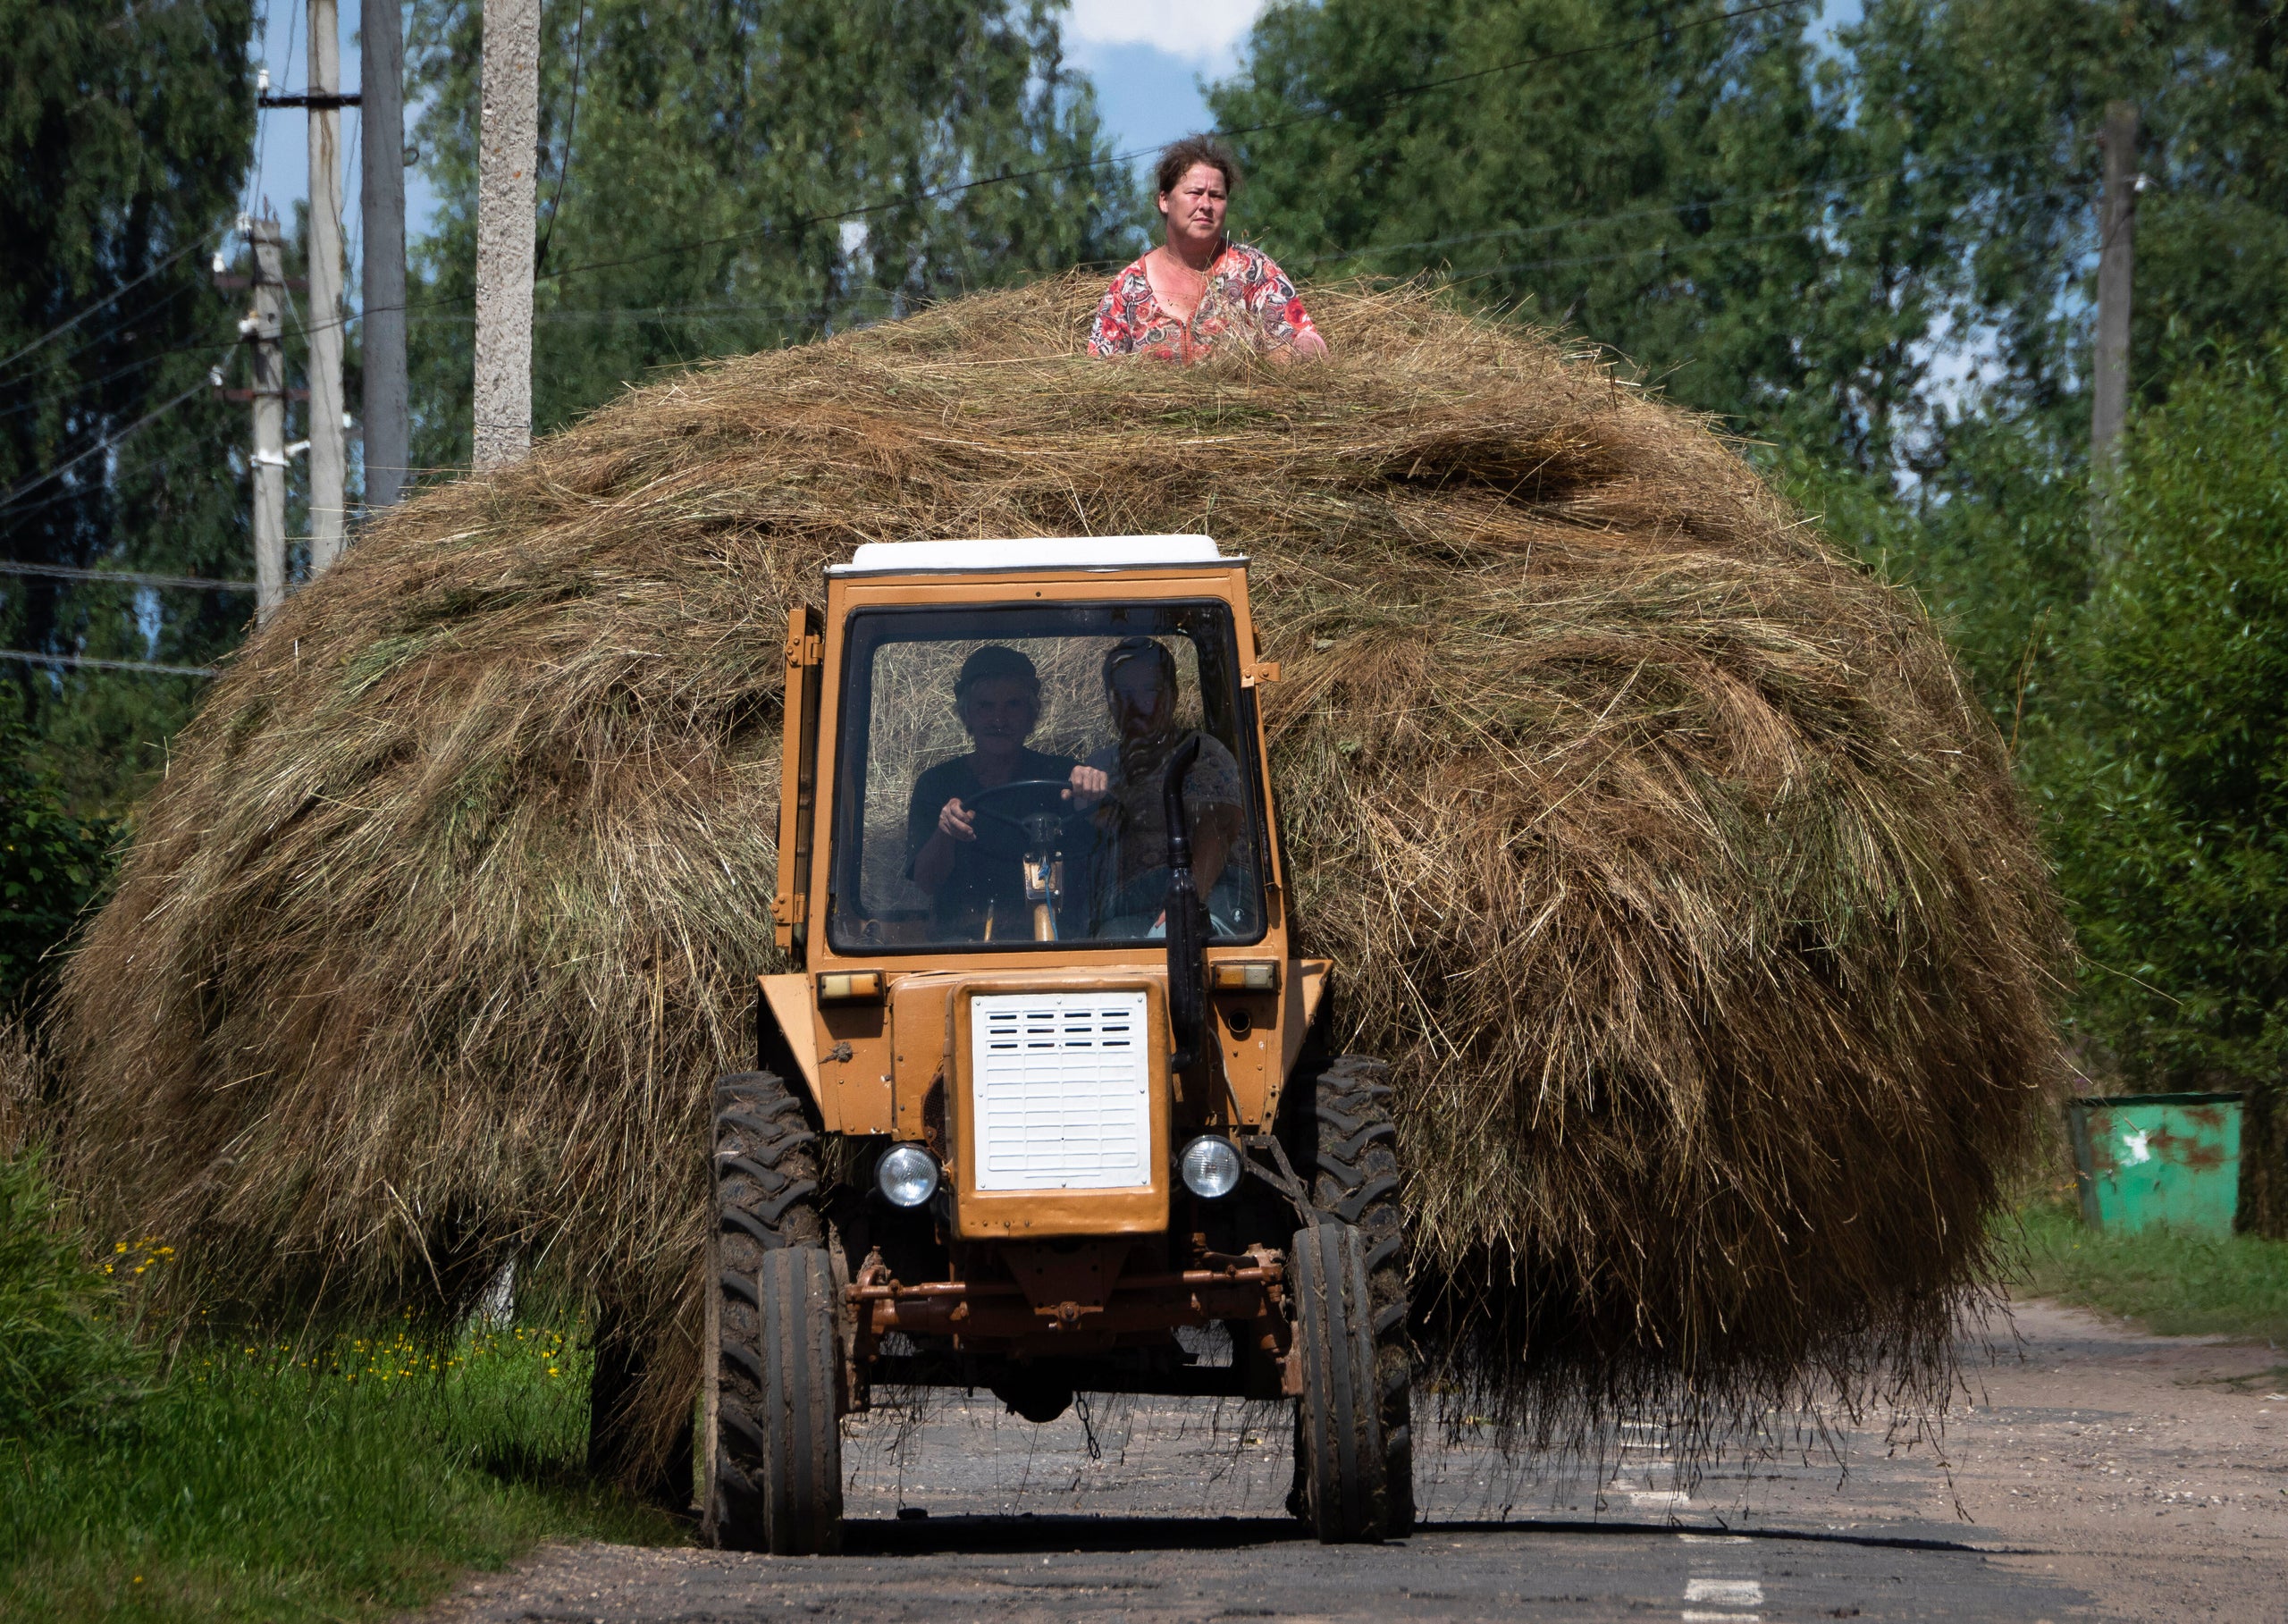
{"x":2092,"y":1473}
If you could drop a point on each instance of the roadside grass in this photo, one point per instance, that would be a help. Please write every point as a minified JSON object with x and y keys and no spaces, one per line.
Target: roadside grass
{"x":351,"y":1480}
{"x":2175,"y":1283}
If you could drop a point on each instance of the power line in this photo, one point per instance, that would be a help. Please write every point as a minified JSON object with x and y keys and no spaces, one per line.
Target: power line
{"x":571,"y":128}
{"x":88,"y":661}
{"x":1404,"y":91}
{"x":1693,"y":244}
{"x":58,"y":331}
{"x":81,"y":388}
{"x":18,"y":567}
{"x":95,"y":340}
{"x":27,"y":487}
{"x":908,"y":199}
{"x":1388,"y":97}
{"x":1841,"y":183}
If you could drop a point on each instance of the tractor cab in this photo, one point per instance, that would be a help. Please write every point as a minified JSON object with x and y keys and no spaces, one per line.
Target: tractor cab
{"x":1041,"y":1110}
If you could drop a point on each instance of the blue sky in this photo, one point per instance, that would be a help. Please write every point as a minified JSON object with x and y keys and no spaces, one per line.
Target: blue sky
{"x":1147,"y":60}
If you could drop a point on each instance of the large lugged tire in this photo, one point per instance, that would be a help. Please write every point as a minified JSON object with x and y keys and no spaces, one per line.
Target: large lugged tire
{"x":802,"y":1499}
{"x":1339,"y":1439}
{"x":1338,"y":1129}
{"x":775,"y":1469}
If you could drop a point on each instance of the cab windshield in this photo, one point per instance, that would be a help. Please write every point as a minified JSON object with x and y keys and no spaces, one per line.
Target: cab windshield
{"x":1002,"y":776}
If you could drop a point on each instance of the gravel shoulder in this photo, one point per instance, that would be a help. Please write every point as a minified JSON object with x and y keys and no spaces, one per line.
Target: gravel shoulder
{"x":2092,"y":1472}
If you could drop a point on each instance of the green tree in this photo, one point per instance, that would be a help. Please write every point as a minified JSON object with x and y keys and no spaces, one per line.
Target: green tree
{"x":52,"y":865}
{"x":1680,"y":186}
{"x":2165,"y":758}
{"x":720,"y":176}
{"x":127,"y":127}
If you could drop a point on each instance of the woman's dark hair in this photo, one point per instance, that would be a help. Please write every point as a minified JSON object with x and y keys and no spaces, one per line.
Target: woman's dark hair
{"x":994,"y":663}
{"x":1177,"y":160}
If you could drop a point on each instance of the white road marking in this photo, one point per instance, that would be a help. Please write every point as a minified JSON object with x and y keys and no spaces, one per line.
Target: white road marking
{"x":1725,"y":1593}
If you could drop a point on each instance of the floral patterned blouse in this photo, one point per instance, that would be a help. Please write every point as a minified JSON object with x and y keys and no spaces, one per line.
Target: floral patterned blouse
{"x":1248,"y":300}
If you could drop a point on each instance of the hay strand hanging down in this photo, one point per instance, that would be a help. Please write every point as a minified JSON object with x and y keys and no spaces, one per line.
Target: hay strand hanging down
{"x":1662,"y":851}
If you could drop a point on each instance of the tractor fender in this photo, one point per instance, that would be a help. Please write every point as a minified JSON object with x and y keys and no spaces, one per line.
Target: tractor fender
{"x":786,"y":1038}
{"x":1303,"y":1019}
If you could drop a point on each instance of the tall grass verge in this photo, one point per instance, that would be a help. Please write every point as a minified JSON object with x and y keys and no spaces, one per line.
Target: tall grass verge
{"x":2175,"y":1283}
{"x":348,"y":1480}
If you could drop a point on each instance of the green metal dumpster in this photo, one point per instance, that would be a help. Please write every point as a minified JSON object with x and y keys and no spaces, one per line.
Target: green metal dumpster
{"x":2146,"y":1159}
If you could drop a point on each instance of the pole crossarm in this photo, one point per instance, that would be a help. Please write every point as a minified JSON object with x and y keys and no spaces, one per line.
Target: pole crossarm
{"x":317,"y":101}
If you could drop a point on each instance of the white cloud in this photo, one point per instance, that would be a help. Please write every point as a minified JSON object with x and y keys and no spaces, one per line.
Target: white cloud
{"x":1207,"y":32}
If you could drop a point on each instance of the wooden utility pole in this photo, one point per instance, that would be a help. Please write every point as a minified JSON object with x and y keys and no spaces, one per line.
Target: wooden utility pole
{"x":329,"y":459}
{"x":389,"y":433}
{"x":2116,"y":256}
{"x":507,"y":144}
{"x":263,"y":331}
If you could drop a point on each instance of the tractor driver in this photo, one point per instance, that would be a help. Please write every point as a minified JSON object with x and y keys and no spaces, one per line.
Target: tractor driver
{"x":1132,"y":878}
{"x":973,"y":867}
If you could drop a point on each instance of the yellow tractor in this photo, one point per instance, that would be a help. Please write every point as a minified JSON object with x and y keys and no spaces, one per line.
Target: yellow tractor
{"x":1047,"y":1108}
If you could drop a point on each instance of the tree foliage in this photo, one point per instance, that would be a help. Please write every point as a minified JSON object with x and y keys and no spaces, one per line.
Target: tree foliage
{"x":128,"y":128}
{"x":1656,"y":190}
{"x":51,"y":864}
{"x":2169,"y":763}
{"x":720,"y":176}
{"x":2165,"y":758}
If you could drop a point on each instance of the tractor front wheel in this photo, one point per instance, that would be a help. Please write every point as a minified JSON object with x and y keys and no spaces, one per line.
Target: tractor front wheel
{"x":1340,"y":1459}
{"x":774,"y":1477}
{"x":1336,"y":1124}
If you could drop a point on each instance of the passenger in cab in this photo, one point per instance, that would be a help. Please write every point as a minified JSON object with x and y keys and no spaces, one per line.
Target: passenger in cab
{"x":1132,"y":859}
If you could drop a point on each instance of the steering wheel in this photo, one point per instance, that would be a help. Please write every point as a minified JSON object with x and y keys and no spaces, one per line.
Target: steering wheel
{"x":1053,"y":787}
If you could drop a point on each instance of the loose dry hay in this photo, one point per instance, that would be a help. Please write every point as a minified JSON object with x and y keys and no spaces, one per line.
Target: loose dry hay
{"x":1663,"y":852}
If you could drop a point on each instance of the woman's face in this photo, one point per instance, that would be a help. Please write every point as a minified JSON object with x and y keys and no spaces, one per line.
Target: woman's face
{"x":1194,"y":207}
{"x":1000,"y":714}
{"x":1142,"y":703}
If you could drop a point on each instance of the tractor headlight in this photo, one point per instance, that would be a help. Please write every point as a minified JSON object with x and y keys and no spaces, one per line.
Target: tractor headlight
{"x":907,"y":1176}
{"x":1210,"y":1166}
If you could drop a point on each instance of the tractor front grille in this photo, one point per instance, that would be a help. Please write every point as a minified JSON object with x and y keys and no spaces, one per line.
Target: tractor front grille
{"x":1060,"y":1087}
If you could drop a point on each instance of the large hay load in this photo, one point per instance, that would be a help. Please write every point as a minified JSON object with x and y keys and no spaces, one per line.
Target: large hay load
{"x":1661,"y":850}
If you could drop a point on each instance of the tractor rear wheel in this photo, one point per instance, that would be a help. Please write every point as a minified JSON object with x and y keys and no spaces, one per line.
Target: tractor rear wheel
{"x":1336,"y":1124}
{"x":774,"y":1477}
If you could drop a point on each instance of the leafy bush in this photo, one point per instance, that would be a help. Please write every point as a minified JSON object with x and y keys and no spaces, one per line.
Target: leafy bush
{"x":51,"y":864}
{"x":2167,"y":760}
{"x":2172,"y":775}
{"x":64,"y":1363}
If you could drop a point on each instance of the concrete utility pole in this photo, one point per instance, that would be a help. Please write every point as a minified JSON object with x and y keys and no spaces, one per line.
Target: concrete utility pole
{"x":329,"y":459}
{"x":2116,"y":245}
{"x":507,"y":144}
{"x":265,"y":332}
{"x":389,"y":428}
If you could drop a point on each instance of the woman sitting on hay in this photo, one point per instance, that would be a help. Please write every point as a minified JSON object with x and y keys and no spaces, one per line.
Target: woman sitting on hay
{"x":1197,"y":290}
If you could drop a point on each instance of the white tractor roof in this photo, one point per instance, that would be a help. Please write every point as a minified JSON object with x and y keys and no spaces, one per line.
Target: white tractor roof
{"x":1033,"y":552}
